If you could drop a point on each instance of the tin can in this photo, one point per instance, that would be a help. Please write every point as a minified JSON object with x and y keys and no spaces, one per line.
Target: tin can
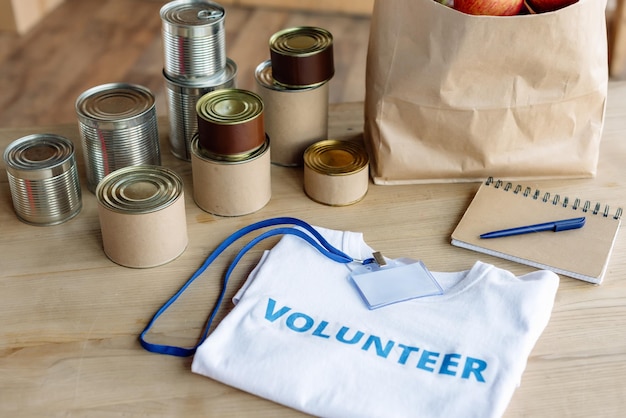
{"x":294,"y":117}
{"x":302,"y":56}
{"x":193,"y":38}
{"x":142,"y":216}
{"x":230,"y":122}
{"x":118,"y":128}
{"x":231,"y":186}
{"x":336,"y":173}
{"x":182,"y":97}
{"x":43,"y":179}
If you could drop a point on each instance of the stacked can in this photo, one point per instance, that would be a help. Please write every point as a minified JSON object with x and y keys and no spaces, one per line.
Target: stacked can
{"x":118,"y":128}
{"x":195,"y":64}
{"x":230,"y":156}
{"x":294,"y":87}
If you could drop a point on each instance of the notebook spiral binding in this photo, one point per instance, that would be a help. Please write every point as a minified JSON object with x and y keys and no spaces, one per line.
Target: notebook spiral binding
{"x":555,"y":200}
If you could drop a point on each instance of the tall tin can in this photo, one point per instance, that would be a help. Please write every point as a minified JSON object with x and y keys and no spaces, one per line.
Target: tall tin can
{"x":182,"y":97}
{"x":231,"y":185}
{"x":295,"y":117}
{"x":118,"y":128}
{"x":142,"y":216}
{"x":193,"y":38}
{"x":230,"y":122}
{"x":43,"y":179}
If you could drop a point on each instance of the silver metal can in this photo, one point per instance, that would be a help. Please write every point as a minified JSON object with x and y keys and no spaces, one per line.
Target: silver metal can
{"x":193,"y":38}
{"x":43,"y":179}
{"x":118,"y":128}
{"x":182,"y":97}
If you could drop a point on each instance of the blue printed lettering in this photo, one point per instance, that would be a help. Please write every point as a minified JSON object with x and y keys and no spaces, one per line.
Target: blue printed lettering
{"x":429,"y":361}
{"x":474,"y":366}
{"x":319,"y":331}
{"x":308,"y":322}
{"x":406,"y":352}
{"x":380,"y":351}
{"x":341,"y":336}
{"x":427,"y":358}
{"x":272,"y":316}
{"x":449,"y":361}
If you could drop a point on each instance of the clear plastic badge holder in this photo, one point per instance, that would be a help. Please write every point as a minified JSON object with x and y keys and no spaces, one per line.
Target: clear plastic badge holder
{"x":396,"y":281}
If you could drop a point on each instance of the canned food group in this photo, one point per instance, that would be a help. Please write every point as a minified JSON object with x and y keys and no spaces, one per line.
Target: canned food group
{"x":230,"y":160}
{"x":294,"y":86}
{"x":118,"y":128}
{"x":142,"y":216}
{"x":43,"y":179}
{"x":195,"y":64}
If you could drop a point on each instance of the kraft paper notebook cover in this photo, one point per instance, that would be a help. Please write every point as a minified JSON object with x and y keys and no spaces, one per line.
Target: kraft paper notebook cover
{"x":579,"y":253}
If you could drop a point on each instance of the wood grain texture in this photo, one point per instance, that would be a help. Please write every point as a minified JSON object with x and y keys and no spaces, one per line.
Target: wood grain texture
{"x":85,"y":43}
{"x":70,"y":317}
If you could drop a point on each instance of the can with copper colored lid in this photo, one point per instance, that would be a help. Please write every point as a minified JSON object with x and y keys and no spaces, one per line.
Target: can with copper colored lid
{"x":231,"y":185}
{"x":43,"y":179}
{"x":193,"y":38}
{"x":182,"y":97}
{"x":118,"y":128}
{"x":294,"y":117}
{"x":336,"y":173}
{"x":302,"y":56}
{"x":142,"y":216}
{"x":230,"y":122}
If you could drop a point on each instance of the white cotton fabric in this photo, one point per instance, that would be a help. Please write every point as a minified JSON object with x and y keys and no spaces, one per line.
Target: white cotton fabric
{"x":301,"y":335}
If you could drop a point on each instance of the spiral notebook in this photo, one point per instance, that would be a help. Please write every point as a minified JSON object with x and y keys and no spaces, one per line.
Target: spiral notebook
{"x":579,"y":253}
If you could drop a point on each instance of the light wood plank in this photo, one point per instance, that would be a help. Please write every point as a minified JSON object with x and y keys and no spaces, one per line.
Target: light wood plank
{"x":70,"y":317}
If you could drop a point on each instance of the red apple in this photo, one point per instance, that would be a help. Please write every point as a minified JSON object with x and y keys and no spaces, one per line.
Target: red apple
{"x":542,"y":6}
{"x":490,"y":7}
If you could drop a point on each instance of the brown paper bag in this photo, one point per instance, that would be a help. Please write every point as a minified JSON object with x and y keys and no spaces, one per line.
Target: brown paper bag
{"x":455,"y":97}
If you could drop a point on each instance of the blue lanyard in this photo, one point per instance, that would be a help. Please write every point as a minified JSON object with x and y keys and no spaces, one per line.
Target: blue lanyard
{"x":313,"y":237}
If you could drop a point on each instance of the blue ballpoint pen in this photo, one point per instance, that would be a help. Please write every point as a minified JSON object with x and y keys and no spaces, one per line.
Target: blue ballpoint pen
{"x":555,"y":226}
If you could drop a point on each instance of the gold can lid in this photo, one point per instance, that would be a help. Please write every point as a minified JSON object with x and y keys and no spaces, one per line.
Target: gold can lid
{"x":206,"y":155}
{"x":114,"y":102}
{"x":301,"y":41}
{"x":336,"y":158}
{"x":139,"y":189}
{"x":229,"y":106}
{"x":39,"y":156}
{"x":192,"y":13}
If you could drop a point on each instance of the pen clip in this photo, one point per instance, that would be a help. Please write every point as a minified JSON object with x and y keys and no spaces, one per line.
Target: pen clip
{"x":566,"y":224}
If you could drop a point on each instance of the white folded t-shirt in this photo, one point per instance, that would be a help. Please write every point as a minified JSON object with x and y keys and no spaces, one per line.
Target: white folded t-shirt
{"x":301,"y":335}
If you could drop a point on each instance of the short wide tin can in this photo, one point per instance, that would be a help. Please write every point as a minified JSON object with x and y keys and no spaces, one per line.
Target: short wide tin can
{"x":336,"y":173}
{"x":302,"y":56}
{"x":230,"y":122}
{"x":118,"y":128}
{"x":142,"y":216}
{"x":231,"y":186}
{"x":43,"y":179}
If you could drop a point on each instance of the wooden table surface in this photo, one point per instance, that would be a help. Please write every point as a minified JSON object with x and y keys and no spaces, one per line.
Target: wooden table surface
{"x":69,"y":317}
